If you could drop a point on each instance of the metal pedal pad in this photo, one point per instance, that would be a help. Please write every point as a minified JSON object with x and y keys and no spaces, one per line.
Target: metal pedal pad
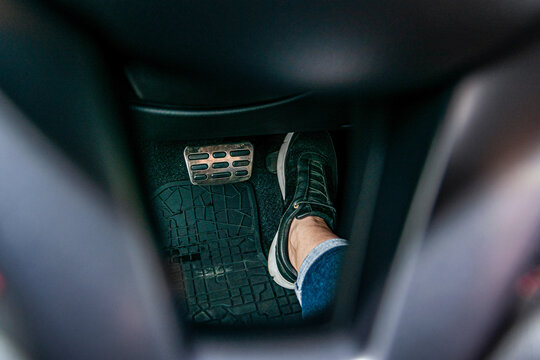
{"x":219,"y":164}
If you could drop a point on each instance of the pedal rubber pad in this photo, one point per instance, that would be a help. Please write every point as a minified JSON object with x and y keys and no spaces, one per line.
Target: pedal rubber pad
{"x":219,"y":164}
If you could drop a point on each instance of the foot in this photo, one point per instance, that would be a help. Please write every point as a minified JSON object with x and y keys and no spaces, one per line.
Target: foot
{"x":307,"y":175}
{"x":304,"y":235}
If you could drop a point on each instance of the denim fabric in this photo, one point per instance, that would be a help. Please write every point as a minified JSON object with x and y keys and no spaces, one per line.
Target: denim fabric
{"x":318,"y":276}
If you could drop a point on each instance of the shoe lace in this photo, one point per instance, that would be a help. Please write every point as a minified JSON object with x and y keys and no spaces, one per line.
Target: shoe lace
{"x":317,"y":184}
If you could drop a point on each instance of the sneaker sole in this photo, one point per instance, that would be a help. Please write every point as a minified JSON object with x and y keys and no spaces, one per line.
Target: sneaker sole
{"x":281,"y":162}
{"x":273,"y":268}
{"x":272,"y":262}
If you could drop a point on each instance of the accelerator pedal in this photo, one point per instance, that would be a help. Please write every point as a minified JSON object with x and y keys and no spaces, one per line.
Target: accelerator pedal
{"x":219,"y":164}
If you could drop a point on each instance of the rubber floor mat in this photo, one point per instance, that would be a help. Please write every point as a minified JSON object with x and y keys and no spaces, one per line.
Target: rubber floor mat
{"x":211,"y":235}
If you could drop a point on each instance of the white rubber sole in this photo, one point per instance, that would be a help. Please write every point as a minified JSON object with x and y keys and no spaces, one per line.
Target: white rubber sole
{"x":272,"y":263}
{"x":280,"y":166}
{"x":273,"y":268}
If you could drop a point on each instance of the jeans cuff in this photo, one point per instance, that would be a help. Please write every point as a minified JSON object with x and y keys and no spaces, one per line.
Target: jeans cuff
{"x":310,"y":259}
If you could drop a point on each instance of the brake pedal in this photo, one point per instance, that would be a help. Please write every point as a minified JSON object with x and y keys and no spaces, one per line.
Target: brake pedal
{"x":219,"y":164}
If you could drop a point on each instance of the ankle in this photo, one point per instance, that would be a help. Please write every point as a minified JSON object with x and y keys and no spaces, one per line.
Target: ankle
{"x":304,"y":235}
{"x":300,"y":226}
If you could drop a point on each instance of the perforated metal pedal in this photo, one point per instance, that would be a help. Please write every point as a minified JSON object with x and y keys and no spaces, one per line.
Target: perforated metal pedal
{"x":219,"y":164}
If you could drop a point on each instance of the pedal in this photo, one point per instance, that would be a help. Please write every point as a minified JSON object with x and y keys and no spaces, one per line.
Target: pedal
{"x":219,"y":164}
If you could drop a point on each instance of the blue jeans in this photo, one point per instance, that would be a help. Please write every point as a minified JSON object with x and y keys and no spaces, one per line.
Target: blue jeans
{"x":318,"y":276}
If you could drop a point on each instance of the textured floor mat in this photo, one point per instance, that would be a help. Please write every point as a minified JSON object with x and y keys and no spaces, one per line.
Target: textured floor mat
{"x":211,"y":235}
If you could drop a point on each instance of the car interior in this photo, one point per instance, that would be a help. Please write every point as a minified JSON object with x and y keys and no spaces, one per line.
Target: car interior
{"x":139,"y":143}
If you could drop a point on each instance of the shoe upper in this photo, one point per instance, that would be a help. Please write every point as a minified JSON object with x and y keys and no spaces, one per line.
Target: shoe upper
{"x":311,"y":182}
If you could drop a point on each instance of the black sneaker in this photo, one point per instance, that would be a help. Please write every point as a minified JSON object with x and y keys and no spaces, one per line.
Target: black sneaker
{"x":307,"y":175}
